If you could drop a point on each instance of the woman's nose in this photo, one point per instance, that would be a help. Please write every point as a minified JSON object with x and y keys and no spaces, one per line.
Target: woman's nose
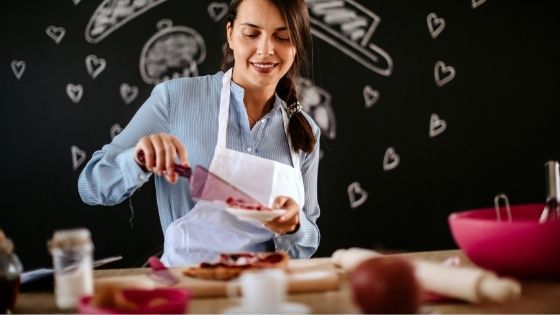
{"x":266,"y":47}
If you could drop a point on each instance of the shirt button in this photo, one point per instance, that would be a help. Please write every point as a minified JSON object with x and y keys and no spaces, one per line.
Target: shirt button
{"x":249,"y":150}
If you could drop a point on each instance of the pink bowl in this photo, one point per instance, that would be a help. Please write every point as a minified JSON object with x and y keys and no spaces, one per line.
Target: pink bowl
{"x":522,"y":248}
{"x":176,"y":302}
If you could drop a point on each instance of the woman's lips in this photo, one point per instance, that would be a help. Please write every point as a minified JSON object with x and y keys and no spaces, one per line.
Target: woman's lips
{"x":263,"y":67}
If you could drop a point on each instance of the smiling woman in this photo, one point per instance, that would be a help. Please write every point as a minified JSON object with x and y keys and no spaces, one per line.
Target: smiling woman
{"x":264,"y":144}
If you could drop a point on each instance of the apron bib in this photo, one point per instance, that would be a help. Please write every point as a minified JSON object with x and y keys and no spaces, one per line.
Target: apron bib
{"x":207,"y":229}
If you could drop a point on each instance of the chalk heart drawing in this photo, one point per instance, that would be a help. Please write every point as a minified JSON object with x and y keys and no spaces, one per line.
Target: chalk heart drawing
{"x":78,"y":157}
{"x":56,"y":33}
{"x":115,"y":130}
{"x":371,"y":96}
{"x":128,"y":93}
{"x":217,"y":10}
{"x":74,"y":92}
{"x":437,"y":125}
{"x":95,"y":65}
{"x":18,"y":67}
{"x":476,"y":3}
{"x":443,"y":73}
{"x":435,"y":24}
{"x":356,"y":195}
{"x":391,"y":159}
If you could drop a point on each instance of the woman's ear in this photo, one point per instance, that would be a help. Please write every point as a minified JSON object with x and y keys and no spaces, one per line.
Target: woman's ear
{"x":229,"y":30}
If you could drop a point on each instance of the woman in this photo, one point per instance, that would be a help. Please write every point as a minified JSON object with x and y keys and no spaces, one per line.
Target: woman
{"x":244,"y":124}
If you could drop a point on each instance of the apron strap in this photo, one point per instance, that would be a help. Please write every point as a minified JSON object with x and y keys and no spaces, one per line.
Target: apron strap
{"x":295,"y":155}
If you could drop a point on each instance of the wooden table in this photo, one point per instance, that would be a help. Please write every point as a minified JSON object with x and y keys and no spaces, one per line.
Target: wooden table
{"x":537,"y":297}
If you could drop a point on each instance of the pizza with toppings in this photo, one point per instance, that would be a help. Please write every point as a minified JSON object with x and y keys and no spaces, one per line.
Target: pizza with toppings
{"x":230,"y":266}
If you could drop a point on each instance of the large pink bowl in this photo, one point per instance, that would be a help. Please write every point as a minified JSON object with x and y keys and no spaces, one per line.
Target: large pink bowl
{"x":177,"y":302}
{"x":523,"y":247}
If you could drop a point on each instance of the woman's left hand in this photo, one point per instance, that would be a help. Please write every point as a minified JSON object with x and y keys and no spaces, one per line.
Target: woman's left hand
{"x":288,"y":222}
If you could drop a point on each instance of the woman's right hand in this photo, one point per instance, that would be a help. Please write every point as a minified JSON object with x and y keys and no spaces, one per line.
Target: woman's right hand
{"x":160,"y":151}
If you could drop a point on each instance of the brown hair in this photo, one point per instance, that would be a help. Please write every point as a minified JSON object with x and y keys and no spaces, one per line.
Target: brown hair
{"x":297,"y":18}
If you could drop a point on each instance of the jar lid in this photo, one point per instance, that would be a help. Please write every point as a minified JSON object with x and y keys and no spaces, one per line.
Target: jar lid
{"x":70,"y":238}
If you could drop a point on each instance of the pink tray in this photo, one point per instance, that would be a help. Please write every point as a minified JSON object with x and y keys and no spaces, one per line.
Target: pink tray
{"x":522,"y":247}
{"x":177,"y":302}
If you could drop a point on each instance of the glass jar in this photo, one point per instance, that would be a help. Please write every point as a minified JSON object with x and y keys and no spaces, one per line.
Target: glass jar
{"x":72,"y":254}
{"x":10,"y":271}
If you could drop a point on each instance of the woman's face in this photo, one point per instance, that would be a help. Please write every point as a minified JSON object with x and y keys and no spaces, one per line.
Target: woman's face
{"x":261,"y":44}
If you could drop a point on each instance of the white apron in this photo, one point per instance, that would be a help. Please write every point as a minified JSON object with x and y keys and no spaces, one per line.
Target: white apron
{"x":207,"y":229}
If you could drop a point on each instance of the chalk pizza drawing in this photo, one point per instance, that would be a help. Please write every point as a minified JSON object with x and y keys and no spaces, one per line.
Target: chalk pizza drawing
{"x":18,"y":67}
{"x":217,"y":10}
{"x":115,"y":130}
{"x":56,"y":33}
{"x":74,"y":92}
{"x":356,"y":195}
{"x":437,"y":125}
{"x":173,"y":52}
{"x":128,"y":93}
{"x":95,"y":65}
{"x":391,"y":159}
{"x":78,"y":157}
{"x":435,"y":24}
{"x":371,"y":96}
{"x":443,"y":73}
{"x":317,"y":103}
{"x":112,"y":14}
{"x":349,"y":26}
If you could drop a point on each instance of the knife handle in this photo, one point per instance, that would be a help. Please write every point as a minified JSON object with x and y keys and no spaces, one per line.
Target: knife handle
{"x":181,"y":170}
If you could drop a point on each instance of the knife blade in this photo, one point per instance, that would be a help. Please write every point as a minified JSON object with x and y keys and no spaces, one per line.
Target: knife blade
{"x":160,"y":273}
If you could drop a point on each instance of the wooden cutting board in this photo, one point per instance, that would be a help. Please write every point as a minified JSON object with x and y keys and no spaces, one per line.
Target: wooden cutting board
{"x":304,"y":275}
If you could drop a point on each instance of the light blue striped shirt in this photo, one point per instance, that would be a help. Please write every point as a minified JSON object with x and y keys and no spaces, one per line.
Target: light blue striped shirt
{"x":188,"y":109}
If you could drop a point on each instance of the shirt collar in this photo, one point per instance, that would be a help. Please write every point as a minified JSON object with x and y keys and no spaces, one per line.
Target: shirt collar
{"x":238,"y":93}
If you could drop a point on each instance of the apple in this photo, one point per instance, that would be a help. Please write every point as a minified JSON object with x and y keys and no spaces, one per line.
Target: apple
{"x":385,"y":285}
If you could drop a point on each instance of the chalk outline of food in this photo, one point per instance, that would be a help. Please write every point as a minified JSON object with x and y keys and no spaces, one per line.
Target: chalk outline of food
{"x":325,"y":103}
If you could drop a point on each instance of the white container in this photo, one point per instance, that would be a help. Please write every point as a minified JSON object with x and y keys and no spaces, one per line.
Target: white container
{"x":72,"y":252}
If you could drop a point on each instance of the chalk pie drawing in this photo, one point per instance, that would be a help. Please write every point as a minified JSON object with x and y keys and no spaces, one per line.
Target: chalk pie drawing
{"x":443,"y":73}
{"x":76,"y":2}
{"x":95,"y":65}
{"x":476,"y":3}
{"x":128,"y":93}
{"x":112,"y":14}
{"x":317,"y":103}
{"x":78,"y":157}
{"x":18,"y":67}
{"x":437,"y":125}
{"x":391,"y":159}
{"x":371,"y":96}
{"x":348,"y":26}
{"x":75,"y":92}
{"x":217,"y":10}
{"x":115,"y":130}
{"x":173,"y":52}
{"x":356,"y":195}
{"x":56,"y":33}
{"x":435,"y":24}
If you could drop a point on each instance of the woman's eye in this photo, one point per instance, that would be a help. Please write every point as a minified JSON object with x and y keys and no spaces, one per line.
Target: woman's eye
{"x":251,"y":35}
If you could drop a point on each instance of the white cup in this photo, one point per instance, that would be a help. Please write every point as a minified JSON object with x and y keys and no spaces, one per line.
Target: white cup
{"x":263,"y":291}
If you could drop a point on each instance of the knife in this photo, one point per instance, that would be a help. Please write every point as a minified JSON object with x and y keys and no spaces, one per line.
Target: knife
{"x":160,"y":273}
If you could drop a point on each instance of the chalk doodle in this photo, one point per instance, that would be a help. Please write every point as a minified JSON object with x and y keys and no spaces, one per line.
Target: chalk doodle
{"x":217,"y":10}
{"x":173,"y":52}
{"x":78,"y":157}
{"x":348,"y":26}
{"x":476,"y":3}
{"x":128,"y":93}
{"x":56,"y":33}
{"x":95,"y":65}
{"x":356,"y":195}
{"x":115,"y":130}
{"x":317,"y":103}
{"x":75,"y":92}
{"x":371,"y":96}
{"x":112,"y":14}
{"x":443,"y":73}
{"x":18,"y":67}
{"x":391,"y":159}
{"x":437,"y":125}
{"x":76,"y":2}
{"x":435,"y":24}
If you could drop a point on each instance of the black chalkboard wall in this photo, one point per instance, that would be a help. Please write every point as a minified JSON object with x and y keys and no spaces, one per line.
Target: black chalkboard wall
{"x":427,"y":107}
